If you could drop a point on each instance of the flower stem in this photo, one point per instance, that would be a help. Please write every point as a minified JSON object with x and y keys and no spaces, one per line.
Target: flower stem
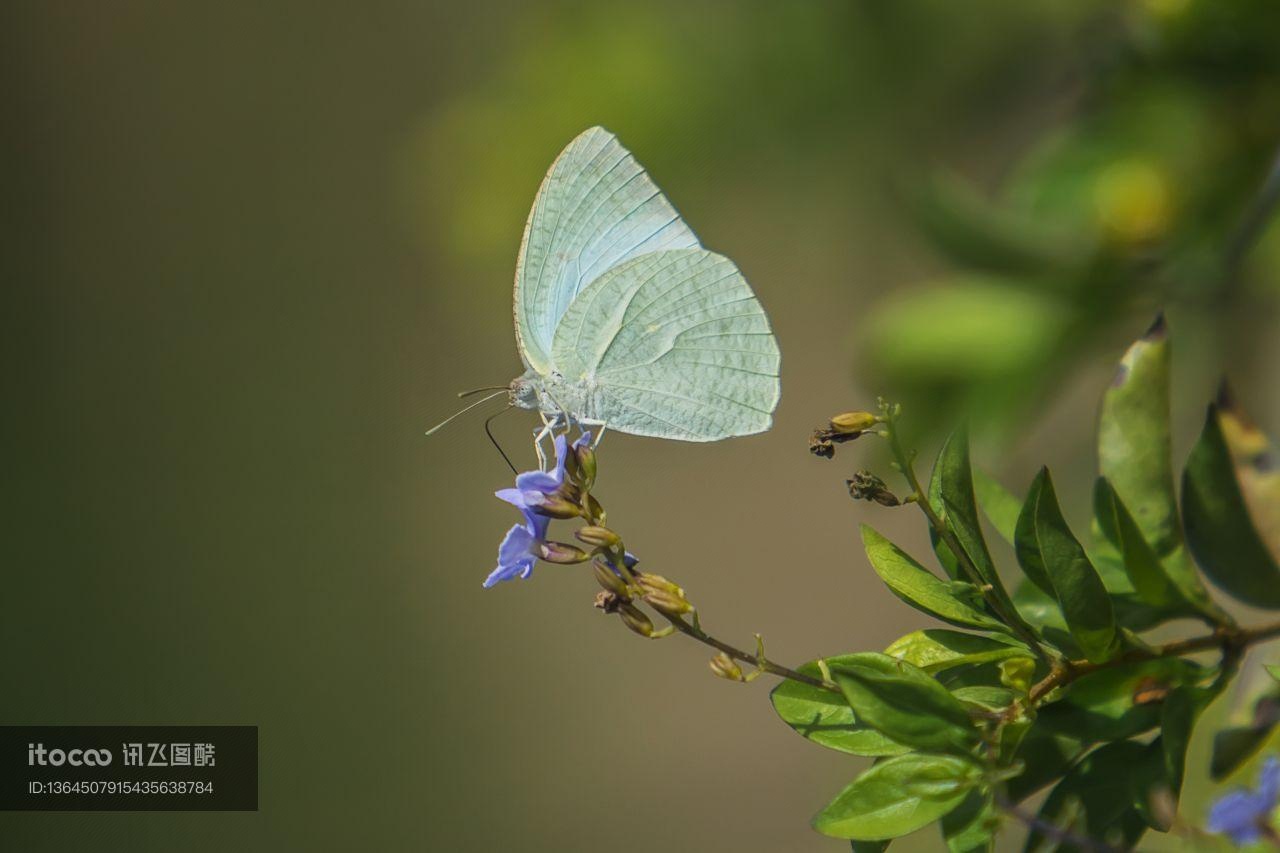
{"x":760,"y":661}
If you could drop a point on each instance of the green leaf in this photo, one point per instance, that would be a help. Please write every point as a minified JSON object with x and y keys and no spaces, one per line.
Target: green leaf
{"x":936,"y":649}
{"x":971,"y":827}
{"x":1134,"y":450}
{"x":904,"y":703}
{"x":1273,"y":671}
{"x":1151,"y":581}
{"x":1093,"y":800}
{"x":1046,"y":755}
{"x":1119,"y":701}
{"x":899,"y":795}
{"x":1219,"y":531}
{"x":1156,"y":781}
{"x":825,"y":717}
{"x":1234,"y":746}
{"x":985,"y":697}
{"x":918,"y":587}
{"x":956,"y":503}
{"x":1257,"y":469}
{"x":1049,"y":553}
{"x":1000,"y":505}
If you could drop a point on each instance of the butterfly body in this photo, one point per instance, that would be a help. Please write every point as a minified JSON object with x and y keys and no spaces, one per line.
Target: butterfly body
{"x":623,"y":319}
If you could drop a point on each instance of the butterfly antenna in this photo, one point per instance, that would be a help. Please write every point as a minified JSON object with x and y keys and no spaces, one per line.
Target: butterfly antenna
{"x":478,"y":390}
{"x":489,"y":433}
{"x":467,"y":409}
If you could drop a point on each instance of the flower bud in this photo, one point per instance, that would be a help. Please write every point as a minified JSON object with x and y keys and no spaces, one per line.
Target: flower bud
{"x":552,"y":506}
{"x":562,"y":553}
{"x":608,"y":602}
{"x":595,"y":512}
{"x":586,"y":459}
{"x":850,"y":422}
{"x":572,"y":470}
{"x":635,"y":619}
{"x":668,"y":604}
{"x":657,"y":583}
{"x":609,"y":579}
{"x":599,"y":537}
{"x":726,"y":667}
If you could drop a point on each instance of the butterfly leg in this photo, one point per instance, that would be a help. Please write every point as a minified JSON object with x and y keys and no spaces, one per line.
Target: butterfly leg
{"x":584,"y":423}
{"x":539,"y":436}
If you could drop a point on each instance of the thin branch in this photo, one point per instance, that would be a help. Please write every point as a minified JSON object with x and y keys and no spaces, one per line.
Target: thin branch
{"x":1051,"y":830}
{"x":760,"y":661}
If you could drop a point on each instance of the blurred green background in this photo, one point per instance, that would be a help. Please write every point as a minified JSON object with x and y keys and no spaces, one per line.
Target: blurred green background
{"x":254,"y":248}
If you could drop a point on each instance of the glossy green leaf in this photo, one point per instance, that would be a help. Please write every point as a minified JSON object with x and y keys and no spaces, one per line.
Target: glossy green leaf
{"x":904,"y":703}
{"x":936,"y":649}
{"x":1134,"y":450}
{"x":1151,"y":580}
{"x":987,"y":698}
{"x":1094,"y":799}
{"x":1219,"y":530}
{"x":956,"y":503}
{"x":1119,"y":701}
{"x":918,"y":587}
{"x":899,"y":795}
{"x":971,"y":827}
{"x":999,"y":504}
{"x":825,"y":717}
{"x":1050,"y":553}
{"x":1273,"y":671}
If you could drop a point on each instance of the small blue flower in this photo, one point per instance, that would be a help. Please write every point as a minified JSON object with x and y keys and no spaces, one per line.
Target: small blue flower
{"x":520,"y":547}
{"x":1246,"y":815}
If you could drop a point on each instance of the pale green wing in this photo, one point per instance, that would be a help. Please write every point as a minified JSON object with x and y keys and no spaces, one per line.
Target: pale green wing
{"x":672,"y":344}
{"x":595,"y":209}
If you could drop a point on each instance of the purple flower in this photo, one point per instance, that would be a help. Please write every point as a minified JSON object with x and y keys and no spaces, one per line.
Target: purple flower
{"x":1245,"y":815}
{"x":520,"y":547}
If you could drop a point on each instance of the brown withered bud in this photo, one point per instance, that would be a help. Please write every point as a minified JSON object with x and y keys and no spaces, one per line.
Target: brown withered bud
{"x":608,"y":602}
{"x":598,"y":537}
{"x":853,"y":422}
{"x":562,"y":553}
{"x":635,"y":619}
{"x":866,"y":486}
{"x":609,"y":579}
{"x":1150,"y":690}
{"x":820,"y":446}
{"x":726,"y":667}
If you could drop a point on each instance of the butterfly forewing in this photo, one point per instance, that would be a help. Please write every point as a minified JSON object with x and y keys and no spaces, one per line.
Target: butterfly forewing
{"x":596,"y":209}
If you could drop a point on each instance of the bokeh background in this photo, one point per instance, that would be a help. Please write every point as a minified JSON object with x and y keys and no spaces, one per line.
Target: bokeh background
{"x":254,"y":248}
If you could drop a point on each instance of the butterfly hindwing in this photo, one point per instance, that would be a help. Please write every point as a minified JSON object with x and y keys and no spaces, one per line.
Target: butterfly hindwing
{"x":596,"y":209}
{"x":673,"y":344}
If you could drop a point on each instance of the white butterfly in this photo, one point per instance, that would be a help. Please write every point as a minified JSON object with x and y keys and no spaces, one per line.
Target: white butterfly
{"x":623,"y":320}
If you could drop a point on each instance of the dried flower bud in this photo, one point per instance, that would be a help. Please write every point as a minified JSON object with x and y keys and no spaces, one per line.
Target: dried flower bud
{"x":562,"y":553}
{"x":726,"y":667}
{"x":635,"y":619}
{"x":609,"y":579}
{"x":552,"y":506}
{"x":586,"y":459}
{"x":608,"y":602}
{"x":599,"y":537}
{"x":853,"y":422}
{"x":820,"y":446}
{"x":866,"y":486}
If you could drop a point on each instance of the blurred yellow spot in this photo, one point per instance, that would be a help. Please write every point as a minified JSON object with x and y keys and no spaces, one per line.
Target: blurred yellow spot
{"x":1165,"y":8}
{"x":1134,"y":201}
